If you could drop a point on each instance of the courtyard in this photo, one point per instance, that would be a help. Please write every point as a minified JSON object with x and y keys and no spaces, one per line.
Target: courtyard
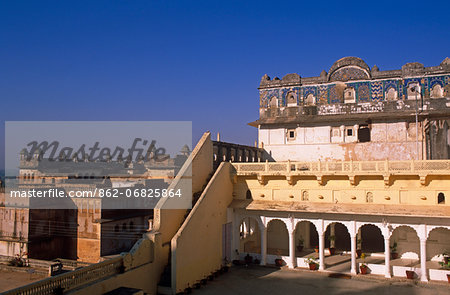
{"x":268,"y":280}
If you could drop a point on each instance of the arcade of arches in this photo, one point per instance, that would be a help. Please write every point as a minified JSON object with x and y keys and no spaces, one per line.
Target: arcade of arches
{"x":292,"y":239}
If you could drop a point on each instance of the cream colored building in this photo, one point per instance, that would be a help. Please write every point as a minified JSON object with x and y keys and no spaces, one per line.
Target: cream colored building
{"x":341,"y":156}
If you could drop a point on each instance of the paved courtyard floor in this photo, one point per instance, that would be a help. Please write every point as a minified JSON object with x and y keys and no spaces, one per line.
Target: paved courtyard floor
{"x":10,"y":280}
{"x":267,"y":280}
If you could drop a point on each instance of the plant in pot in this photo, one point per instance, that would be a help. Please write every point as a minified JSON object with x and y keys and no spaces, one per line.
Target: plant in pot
{"x":410,"y":274}
{"x":312,"y":262}
{"x":445,"y":257}
{"x":363,"y":267}
{"x":316,"y":249}
{"x":278,"y":261}
{"x":394,"y":254}
{"x":248,"y":259}
{"x":358,"y":247}
{"x":332,"y":249}
{"x":300,"y":244}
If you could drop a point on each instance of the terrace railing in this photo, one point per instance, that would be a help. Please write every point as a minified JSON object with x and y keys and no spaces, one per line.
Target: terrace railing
{"x":71,"y":280}
{"x":345,"y":167}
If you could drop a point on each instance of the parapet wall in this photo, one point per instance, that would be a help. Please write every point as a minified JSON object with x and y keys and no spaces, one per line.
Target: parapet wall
{"x":197,"y":246}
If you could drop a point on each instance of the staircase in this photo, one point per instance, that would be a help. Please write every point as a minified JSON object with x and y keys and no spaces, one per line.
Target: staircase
{"x":165,"y":283}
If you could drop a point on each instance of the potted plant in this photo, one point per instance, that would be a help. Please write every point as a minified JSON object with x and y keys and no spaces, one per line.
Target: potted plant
{"x":394,"y":254}
{"x":410,"y":274}
{"x":248,"y":259}
{"x":332,"y":249}
{"x":445,"y":257}
{"x":358,"y":247}
{"x":363,"y":267}
{"x":278,"y":261}
{"x":445,"y":265}
{"x":225,"y":265}
{"x":316,"y":249}
{"x":312,"y":262}
{"x":300,"y":244}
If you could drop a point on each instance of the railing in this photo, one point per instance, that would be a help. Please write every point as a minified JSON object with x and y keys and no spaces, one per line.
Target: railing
{"x":345,"y":167}
{"x":73,"y":279}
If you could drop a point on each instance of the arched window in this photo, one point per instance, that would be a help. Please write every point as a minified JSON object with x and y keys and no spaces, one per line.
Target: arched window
{"x":441,"y":198}
{"x":349,"y":95}
{"x":305,"y":196}
{"x":369,"y":197}
{"x":248,"y":195}
{"x":291,"y":99}
{"x":273,"y":102}
{"x":436,"y":91}
{"x":391,"y":94}
{"x":310,"y":100}
{"x":413,"y":91}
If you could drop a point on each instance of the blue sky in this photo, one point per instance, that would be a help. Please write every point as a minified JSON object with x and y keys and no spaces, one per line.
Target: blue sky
{"x":194,"y":60}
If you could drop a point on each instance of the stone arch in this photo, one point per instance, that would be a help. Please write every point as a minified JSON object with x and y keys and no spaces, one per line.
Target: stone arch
{"x":411,"y":90}
{"x":349,"y":95}
{"x":277,"y":237}
{"x":441,"y":198}
{"x":391,"y":93}
{"x":273,"y":102}
{"x":369,"y":197}
{"x":438,"y":242}
{"x":341,"y":235}
{"x":310,"y":100}
{"x":250,"y":235}
{"x":291,"y":99}
{"x":437,"y":91}
{"x":407,"y":239}
{"x":372,"y":238}
{"x":306,"y":231}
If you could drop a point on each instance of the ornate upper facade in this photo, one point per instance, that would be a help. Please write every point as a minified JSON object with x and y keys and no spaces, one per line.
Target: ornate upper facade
{"x":353,"y":74}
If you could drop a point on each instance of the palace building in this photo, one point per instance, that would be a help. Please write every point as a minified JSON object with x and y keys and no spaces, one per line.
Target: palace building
{"x":354,"y":161}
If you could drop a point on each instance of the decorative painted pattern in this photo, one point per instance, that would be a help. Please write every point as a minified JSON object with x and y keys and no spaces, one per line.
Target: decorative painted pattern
{"x":366,"y":91}
{"x":323,"y":94}
{"x":377,"y":90}
{"x":350,"y":73}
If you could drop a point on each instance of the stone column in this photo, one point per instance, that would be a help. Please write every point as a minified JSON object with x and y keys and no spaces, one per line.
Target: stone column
{"x":423,"y":260}
{"x":353,"y":254}
{"x":332,"y":233}
{"x":292,"y":260}
{"x":264,"y":246}
{"x":321,"y":251}
{"x":387,"y":258}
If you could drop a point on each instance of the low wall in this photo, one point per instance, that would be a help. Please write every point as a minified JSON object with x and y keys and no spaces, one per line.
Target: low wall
{"x":197,"y":246}
{"x":196,"y":170}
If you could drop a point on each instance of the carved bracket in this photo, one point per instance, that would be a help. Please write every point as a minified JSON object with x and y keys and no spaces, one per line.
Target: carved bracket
{"x":290,"y":179}
{"x":320,"y":179}
{"x":387,"y":179}
{"x":352,"y":179}
{"x":423,"y":179}
{"x":261,"y":179}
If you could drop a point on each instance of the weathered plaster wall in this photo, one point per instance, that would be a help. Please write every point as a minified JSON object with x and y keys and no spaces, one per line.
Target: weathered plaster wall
{"x":402,"y":190}
{"x":197,"y":246}
{"x":392,"y":141}
{"x":195,"y":170}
